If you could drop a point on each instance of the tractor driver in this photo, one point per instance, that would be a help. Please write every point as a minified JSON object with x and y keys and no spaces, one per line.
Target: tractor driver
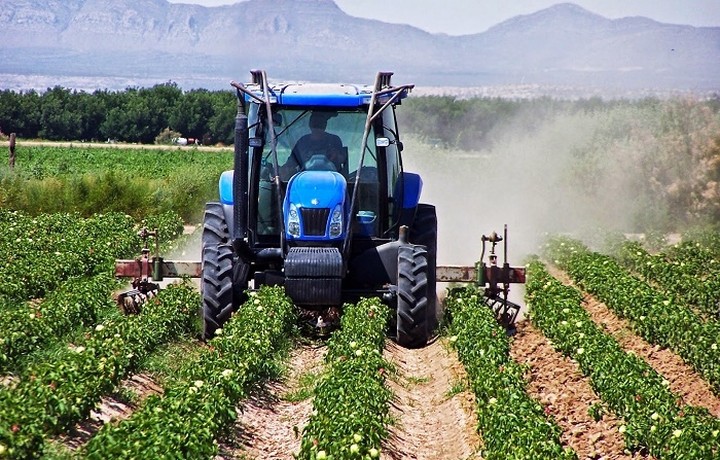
{"x":317,"y":150}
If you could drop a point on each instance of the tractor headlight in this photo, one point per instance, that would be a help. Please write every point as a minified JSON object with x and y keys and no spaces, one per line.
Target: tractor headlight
{"x":336,"y":222}
{"x":293,"y":224}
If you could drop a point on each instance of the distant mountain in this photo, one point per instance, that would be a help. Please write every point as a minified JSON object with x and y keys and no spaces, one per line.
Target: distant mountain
{"x":146,"y":40}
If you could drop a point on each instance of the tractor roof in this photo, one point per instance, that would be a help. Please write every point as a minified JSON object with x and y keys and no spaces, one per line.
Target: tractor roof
{"x":323,"y":94}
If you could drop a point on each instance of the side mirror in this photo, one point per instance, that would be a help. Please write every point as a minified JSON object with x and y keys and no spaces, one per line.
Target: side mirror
{"x":385,"y":142}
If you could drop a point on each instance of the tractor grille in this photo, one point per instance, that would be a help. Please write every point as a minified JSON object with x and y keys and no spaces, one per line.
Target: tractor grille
{"x":315,"y":220}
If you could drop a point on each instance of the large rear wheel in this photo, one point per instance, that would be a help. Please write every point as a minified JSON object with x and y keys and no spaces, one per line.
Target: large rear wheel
{"x":217,"y":287}
{"x":215,"y":229}
{"x":412,"y":298}
{"x":424,"y":232}
{"x":224,"y":275}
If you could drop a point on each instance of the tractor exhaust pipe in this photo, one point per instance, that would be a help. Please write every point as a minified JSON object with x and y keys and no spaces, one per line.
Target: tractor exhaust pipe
{"x":240,"y":177}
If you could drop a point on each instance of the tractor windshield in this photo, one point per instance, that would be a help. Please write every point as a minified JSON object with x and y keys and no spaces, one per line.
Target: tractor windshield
{"x":320,"y":139}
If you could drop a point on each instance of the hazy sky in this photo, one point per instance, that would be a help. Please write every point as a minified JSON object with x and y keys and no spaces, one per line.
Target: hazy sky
{"x":459,"y":17}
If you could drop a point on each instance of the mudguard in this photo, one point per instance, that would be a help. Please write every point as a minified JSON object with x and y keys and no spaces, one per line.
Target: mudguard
{"x":226,"y":187}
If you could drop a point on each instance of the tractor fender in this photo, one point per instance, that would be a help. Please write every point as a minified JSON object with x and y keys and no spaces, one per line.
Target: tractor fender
{"x":226,"y":198}
{"x":226,"y":187}
{"x":411,"y":189}
{"x":407,"y":189}
{"x":376,"y":266}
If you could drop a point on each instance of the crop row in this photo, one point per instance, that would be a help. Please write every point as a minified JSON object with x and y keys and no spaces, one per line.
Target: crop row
{"x":512,"y":424}
{"x":708,"y":239}
{"x":77,"y":302}
{"x":129,"y":181}
{"x":678,"y":278}
{"x":656,"y":420}
{"x":696,"y":259}
{"x":38,"y":162}
{"x":654,"y":316}
{"x":50,"y":396}
{"x":351,"y":403}
{"x":42,"y":251}
{"x":200,"y":405}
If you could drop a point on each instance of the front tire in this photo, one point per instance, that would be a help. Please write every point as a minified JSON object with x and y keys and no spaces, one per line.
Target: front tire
{"x":412,"y":298}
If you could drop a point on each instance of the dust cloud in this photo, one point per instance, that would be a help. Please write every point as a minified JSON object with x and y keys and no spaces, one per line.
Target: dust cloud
{"x":189,"y":246}
{"x":527,"y":180}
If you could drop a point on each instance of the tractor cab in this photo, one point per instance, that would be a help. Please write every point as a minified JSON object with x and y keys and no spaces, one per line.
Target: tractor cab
{"x":319,"y":161}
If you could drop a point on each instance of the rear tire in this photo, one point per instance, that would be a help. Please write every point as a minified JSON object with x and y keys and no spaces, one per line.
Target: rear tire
{"x":217,"y":288}
{"x":424,"y":232}
{"x":215,"y":229}
{"x":224,"y":275}
{"x":412,"y":298}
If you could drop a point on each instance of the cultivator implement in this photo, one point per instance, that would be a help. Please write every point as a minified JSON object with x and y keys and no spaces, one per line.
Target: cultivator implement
{"x":495,"y":279}
{"x":142,"y":270}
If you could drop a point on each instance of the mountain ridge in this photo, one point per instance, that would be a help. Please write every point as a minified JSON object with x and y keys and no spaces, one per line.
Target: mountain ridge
{"x":564,"y":44}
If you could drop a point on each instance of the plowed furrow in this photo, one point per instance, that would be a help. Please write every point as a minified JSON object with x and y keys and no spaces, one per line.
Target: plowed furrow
{"x":557,"y":383}
{"x":433,"y":408}
{"x":269,"y":425}
{"x":684,"y":381}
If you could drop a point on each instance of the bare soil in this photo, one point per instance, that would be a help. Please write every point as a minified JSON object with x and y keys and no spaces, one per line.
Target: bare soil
{"x":684,"y":381}
{"x":557,"y":383}
{"x":269,"y":426}
{"x":433,"y":408}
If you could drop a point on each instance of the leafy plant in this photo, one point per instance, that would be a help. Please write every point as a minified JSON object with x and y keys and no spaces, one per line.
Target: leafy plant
{"x":200,"y":404}
{"x":655,"y":420}
{"x":503,"y":405}
{"x":351,"y":404}
{"x":49,"y":397}
{"x":657,"y":318}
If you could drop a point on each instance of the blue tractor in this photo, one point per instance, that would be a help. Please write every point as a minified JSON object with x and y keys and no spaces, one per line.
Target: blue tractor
{"x":318,"y":202}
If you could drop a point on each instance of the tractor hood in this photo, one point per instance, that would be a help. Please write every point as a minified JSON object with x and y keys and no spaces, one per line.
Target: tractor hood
{"x":314,"y":206}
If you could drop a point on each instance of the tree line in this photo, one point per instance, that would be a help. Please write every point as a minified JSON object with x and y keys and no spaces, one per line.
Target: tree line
{"x":140,"y":115}
{"x":134,"y":115}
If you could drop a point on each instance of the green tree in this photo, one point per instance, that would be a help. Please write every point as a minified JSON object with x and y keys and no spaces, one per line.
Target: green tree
{"x":59,"y":117}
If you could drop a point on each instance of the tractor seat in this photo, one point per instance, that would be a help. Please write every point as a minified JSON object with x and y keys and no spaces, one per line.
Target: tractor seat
{"x":319,"y":162}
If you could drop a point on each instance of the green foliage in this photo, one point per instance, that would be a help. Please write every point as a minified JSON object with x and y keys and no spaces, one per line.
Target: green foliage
{"x":92,"y":180}
{"x":513,"y":425}
{"x":133,"y":115}
{"x":26,"y":327}
{"x":351,"y":404}
{"x":657,"y":318}
{"x":200,"y":404}
{"x":655,"y":420}
{"x":42,"y":251}
{"x":694,"y":279}
{"x":50,"y":397}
